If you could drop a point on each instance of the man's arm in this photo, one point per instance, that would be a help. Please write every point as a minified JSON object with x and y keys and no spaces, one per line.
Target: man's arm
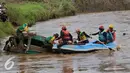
{"x":95,"y":33}
{"x":86,"y":35}
{"x":71,"y":37}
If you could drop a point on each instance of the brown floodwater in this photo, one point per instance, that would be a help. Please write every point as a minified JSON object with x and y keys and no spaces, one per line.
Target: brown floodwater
{"x":93,"y":62}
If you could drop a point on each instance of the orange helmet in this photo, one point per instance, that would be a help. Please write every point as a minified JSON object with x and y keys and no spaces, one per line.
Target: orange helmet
{"x":63,"y":27}
{"x":101,"y":27}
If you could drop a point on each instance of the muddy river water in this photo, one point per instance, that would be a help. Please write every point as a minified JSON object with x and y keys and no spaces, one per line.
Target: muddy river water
{"x":93,"y":62}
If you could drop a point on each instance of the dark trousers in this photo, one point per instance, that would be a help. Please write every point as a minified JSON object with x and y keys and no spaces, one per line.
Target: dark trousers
{"x":65,"y":42}
{"x":83,"y":42}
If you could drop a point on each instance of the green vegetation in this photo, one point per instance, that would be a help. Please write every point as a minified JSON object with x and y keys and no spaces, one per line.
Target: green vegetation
{"x":30,"y":12}
{"x":6,"y":28}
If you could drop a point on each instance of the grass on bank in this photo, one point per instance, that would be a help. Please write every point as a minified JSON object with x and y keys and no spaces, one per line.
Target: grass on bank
{"x":6,"y":28}
{"x":30,"y":12}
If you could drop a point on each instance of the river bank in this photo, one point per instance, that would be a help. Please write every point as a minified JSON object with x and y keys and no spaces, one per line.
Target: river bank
{"x":32,"y":11}
{"x":94,"y":62}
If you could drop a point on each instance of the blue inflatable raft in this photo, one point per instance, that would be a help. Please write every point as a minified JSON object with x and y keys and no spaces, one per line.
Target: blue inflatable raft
{"x":84,"y":48}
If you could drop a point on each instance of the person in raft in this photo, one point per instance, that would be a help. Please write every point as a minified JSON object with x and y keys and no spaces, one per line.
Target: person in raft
{"x":49,"y":41}
{"x":65,"y":37}
{"x":82,"y":37}
{"x":111,"y":34}
{"x":102,"y":35}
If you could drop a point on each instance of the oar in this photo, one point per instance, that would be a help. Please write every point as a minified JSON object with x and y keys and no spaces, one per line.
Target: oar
{"x":104,"y":44}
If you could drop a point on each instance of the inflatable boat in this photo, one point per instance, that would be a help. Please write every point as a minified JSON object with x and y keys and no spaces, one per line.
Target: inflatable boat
{"x":84,"y":48}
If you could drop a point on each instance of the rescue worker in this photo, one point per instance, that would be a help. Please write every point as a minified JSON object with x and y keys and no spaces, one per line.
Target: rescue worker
{"x":20,"y":32}
{"x":50,"y":39}
{"x":46,"y":42}
{"x":111,"y":34}
{"x":21,"y":29}
{"x":65,"y":37}
{"x":82,"y":37}
{"x":102,"y":35}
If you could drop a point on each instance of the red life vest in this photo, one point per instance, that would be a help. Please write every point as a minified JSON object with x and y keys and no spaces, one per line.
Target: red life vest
{"x":66,"y":34}
{"x":114,"y":35}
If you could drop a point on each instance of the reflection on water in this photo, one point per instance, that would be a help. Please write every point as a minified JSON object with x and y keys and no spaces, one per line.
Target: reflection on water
{"x":70,"y":63}
{"x":94,"y":62}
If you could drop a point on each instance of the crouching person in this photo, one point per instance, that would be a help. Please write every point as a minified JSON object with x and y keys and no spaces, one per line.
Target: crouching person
{"x":49,"y":41}
{"x":21,"y":32}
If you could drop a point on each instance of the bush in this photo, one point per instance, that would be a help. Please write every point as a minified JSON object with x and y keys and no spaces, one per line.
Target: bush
{"x":30,"y":12}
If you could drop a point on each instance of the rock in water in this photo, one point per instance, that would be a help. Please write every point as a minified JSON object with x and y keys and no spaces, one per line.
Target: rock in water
{"x":124,"y":34}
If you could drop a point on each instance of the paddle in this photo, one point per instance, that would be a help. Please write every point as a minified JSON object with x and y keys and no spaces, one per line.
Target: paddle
{"x":103,"y":44}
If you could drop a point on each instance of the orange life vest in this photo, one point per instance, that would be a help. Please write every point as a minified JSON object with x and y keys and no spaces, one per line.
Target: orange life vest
{"x":66,"y":34}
